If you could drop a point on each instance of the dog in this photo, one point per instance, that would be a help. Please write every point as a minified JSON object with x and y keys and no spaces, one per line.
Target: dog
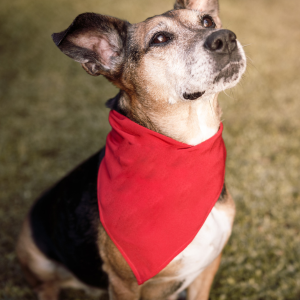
{"x":169,"y":69}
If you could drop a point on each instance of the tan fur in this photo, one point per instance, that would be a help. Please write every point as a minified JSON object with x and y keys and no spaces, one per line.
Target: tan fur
{"x":147,"y":99}
{"x":48,"y":277}
{"x":199,"y":289}
{"x":151,"y":99}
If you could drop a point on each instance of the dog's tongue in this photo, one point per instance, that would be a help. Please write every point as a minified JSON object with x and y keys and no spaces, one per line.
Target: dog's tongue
{"x":155,"y":193}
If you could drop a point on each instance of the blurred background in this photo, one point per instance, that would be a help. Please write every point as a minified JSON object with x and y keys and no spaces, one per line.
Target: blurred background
{"x":52,"y":116}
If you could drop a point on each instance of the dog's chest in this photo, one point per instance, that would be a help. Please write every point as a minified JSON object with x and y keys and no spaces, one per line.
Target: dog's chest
{"x":205,"y":247}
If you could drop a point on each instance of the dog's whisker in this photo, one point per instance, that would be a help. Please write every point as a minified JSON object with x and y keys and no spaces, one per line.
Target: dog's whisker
{"x":251,"y":63}
{"x":224,"y":91}
{"x":232,"y":94}
{"x":248,"y":57}
{"x":228,"y":95}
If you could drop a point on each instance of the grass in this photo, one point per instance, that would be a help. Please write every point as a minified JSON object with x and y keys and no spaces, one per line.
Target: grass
{"x":52,"y":117}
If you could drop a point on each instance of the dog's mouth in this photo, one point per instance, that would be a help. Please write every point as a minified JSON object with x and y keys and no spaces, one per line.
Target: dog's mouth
{"x":193,"y":96}
{"x":229,"y":72}
{"x":226,"y":75}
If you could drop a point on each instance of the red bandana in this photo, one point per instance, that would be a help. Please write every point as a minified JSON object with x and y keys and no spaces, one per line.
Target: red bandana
{"x":155,"y":193}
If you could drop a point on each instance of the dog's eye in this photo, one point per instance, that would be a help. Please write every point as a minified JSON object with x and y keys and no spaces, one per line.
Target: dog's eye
{"x":160,"y":38}
{"x":208,"y":22}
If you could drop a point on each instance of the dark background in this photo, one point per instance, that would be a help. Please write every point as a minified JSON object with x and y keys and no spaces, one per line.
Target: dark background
{"x":52,"y":116}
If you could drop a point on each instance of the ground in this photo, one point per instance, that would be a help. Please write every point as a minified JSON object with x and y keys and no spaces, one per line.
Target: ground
{"x":52,"y":117}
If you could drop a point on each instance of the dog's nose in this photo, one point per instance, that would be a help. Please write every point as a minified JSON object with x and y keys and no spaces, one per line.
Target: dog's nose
{"x":222,"y":41}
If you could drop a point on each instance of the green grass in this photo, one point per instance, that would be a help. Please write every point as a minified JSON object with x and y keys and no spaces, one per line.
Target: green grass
{"x":52,"y":116}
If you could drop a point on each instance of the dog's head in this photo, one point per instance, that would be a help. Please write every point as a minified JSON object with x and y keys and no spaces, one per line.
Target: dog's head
{"x":174,"y":58}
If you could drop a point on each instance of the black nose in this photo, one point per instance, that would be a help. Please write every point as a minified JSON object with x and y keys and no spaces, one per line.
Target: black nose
{"x":222,"y":41}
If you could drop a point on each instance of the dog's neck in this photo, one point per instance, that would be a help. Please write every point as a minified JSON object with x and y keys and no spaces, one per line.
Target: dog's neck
{"x":190,"y":122}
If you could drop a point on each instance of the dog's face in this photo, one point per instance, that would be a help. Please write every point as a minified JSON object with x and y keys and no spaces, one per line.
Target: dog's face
{"x":182,"y":55}
{"x":174,"y":58}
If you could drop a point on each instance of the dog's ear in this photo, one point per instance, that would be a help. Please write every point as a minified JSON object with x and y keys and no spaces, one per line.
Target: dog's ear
{"x":96,"y":41}
{"x":210,"y":7}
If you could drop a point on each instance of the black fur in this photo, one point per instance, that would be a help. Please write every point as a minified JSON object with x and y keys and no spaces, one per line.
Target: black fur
{"x":114,"y":103}
{"x":223,"y":194}
{"x":64,"y":223}
{"x":135,"y":53}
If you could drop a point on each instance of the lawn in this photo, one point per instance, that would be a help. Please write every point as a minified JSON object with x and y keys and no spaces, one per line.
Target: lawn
{"x":52,"y":116}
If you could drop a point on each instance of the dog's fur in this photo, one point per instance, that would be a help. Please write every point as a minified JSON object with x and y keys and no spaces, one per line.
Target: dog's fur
{"x":169,"y":69}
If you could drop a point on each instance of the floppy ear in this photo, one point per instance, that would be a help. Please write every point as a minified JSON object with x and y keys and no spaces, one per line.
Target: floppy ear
{"x":96,"y":41}
{"x":210,"y":7}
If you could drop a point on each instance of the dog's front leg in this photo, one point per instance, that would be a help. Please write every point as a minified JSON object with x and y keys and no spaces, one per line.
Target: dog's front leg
{"x":122,"y":290}
{"x":200,"y":287}
{"x":122,"y":282}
